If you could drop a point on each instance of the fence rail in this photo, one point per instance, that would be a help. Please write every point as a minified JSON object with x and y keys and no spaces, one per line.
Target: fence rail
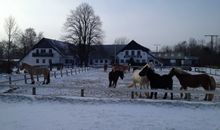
{"x":82,"y":90}
{"x":25,"y":77}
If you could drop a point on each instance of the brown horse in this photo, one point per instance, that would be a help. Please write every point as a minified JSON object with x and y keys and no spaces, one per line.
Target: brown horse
{"x":194,"y":81}
{"x":34,"y":70}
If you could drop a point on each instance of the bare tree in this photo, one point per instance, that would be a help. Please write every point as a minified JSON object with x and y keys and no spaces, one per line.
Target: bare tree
{"x":29,"y":38}
{"x":83,"y":28}
{"x":11,"y":32}
{"x":121,"y":41}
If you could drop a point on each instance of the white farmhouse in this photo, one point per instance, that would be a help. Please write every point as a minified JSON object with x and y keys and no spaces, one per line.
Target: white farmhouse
{"x":48,"y":51}
{"x":135,"y":54}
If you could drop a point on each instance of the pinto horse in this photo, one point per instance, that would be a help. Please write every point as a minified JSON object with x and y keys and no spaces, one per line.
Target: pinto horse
{"x":188,"y":80}
{"x":113,"y":77}
{"x":157,"y":81}
{"x":34,"y":70}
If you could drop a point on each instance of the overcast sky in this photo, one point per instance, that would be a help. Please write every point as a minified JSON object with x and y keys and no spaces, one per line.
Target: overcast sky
{"x":149,"y":22}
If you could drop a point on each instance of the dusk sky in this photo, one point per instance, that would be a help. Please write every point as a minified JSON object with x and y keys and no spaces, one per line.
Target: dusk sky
{"x":149,"y":22}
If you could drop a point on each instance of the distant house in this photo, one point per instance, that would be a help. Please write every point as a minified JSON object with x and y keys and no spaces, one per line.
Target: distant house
{"x":104,"y":54}
{"x":136,"y":54}
{"x":176,"y":59}
{"x":48,"y":51}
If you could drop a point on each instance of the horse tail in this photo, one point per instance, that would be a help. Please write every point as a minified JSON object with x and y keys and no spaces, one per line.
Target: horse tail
{"x":212,"y":83}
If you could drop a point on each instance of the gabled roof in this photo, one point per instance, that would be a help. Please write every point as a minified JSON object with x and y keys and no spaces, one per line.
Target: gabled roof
{"x":63,"y":48}
{"x":105,"y":51}
{"x":133,"y":45}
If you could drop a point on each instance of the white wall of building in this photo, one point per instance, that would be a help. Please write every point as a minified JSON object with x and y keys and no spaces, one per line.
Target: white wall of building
{"x":29,"y":59}
{"x":139,"y":56}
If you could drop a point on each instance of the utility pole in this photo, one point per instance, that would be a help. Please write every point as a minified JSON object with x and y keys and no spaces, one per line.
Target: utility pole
{"x":212,"y":39}
{"x":157,"y":46}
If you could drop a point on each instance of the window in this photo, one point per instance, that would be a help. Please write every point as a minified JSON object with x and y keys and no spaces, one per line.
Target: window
{"x":143,"y":61}
{"x":122,"y":61}
{"x":43,"y":51}
{"x":106,"y":61}
{"x":50,"y":61}
{"x":43,"y":60}
{"x":132,"y":53}
{"x":50,"y":51}
{"x":101,"y":61}
{"x":126,"y":52}
{"x":138,"y":53}
{"x":66,"y":61}
{"x":137,"y":61}
{"x":37,"y":51}
{"x":96,"y":61}
{"x":37,"y":60}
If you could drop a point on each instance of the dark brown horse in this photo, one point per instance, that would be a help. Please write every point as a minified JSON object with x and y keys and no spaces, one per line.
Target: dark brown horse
{"x":113,"y":77}
{"x":157,"y":81}
{"x":198,"y":80}
{"x":34,"y":70}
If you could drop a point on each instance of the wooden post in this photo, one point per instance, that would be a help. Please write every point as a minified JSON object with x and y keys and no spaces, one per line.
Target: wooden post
{"x":55,"y":74}
{"x":37,"y":77}
{"x":9,"y":79}
{"x":82,"y":92}
{"x":132,"y":95}
{"x":25,"y":79}
{"x":34,"y":91}
{"x":66,"y":72}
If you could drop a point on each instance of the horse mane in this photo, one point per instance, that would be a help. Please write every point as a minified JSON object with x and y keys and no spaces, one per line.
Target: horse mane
{"x":180,"y":71}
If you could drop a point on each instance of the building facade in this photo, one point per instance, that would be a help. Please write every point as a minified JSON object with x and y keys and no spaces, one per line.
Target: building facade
{"x":48,"y":51}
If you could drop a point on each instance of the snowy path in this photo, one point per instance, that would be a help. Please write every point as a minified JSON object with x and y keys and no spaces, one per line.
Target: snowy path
{"x":92,"y":114}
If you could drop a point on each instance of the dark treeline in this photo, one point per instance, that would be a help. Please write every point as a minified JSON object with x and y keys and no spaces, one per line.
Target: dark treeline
{"x":208,"y":54}
{"x":15,"y":43}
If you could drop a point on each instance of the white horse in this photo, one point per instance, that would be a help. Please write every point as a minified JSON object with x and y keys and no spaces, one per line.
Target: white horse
{"x":138,"y":81}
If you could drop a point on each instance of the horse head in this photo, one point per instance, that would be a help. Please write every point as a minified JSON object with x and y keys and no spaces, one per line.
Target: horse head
{"x":121,"y":74}
{"x":144,"y":70}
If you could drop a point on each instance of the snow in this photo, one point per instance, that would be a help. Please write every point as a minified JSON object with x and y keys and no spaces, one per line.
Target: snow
{"x":105,"y":114}
{"x":57,"y":109}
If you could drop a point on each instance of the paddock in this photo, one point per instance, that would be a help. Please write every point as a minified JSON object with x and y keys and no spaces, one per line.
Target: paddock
{"x":91,"y":82}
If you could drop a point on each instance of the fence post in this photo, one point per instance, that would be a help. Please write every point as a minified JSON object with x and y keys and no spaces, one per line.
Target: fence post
{"x":55,"y":74}
{"x":82,"y":92}
{"x":25,"y":79}
{"x":37,"y":77}
{"x":34,"y":91}
{"x":9,"y":79}
{"x":132,"y":95}
{"x":66,"y":72}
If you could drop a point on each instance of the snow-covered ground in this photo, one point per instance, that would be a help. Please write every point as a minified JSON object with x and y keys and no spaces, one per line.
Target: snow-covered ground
{"x":65,"y":113}
{"x":62,"y":109}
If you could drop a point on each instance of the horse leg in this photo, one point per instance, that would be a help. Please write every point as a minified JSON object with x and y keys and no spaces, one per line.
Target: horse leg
{"x":110,"y":83}
{"x":32,"y":79}
{"x":165,"y":95}
{"x":155,"y":95}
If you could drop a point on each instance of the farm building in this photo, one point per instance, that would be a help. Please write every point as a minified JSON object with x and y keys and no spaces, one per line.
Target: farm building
{"x":54,"y":52}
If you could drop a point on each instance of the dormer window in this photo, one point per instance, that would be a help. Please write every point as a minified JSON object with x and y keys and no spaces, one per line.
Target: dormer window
{"x":138,"y":53}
